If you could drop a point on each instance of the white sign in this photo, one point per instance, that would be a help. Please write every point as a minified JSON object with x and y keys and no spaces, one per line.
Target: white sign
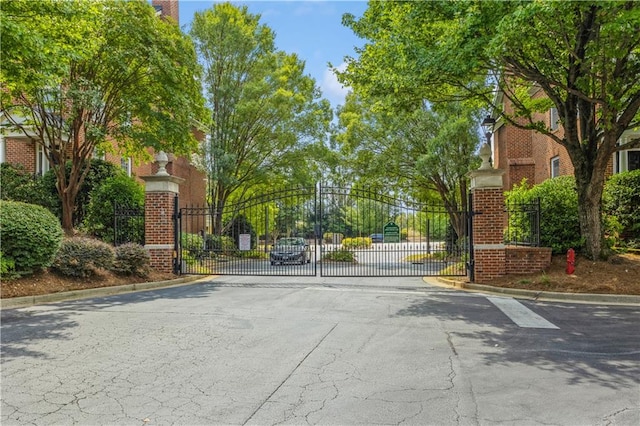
{"x":245,"y":242}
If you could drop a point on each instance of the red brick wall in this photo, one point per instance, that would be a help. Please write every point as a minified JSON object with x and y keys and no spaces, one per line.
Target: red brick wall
{"x":491,"y":258}
{"x":488,"y":224}
{"x":169,"y":8}
{"x":489,"y":264}
{"x":158,"y":216}
{"x":525,"y":260}
{"x":21,"y":151}
{"x":193,"y":190}
{"x":525,"y":153}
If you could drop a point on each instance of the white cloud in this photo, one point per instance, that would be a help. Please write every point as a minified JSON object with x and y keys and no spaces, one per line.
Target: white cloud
{"x":331,"y":88}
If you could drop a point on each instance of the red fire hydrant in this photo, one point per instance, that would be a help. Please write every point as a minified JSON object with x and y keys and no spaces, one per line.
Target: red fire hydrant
{"x":571,"y":261}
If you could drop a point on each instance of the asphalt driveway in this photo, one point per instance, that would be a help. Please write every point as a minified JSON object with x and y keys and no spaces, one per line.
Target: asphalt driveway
{"x":319,"y":351}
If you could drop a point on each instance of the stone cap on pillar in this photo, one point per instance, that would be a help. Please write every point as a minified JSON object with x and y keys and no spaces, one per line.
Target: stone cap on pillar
{"x":486,"y":176}
{"x":491,"y":178}
{"x":159,"y":183}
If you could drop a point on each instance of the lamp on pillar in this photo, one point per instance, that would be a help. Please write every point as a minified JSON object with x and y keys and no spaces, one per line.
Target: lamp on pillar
{"x":487,"y":126}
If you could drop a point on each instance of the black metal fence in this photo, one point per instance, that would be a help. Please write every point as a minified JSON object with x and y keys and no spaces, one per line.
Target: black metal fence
{"x":247,"y":237}
{"x":331,"y":230}
{"x":128,"y":224}
{"x":523,"y":224}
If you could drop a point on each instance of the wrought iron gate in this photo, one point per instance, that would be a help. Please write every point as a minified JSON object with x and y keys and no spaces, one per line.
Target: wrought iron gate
{"x":332,"y":231}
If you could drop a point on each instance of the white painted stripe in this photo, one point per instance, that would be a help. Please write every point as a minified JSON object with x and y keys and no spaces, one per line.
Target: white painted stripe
{"x":520,"y":314}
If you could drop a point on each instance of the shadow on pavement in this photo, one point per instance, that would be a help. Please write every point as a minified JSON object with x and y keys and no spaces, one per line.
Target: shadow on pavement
{"x":594,"y":344}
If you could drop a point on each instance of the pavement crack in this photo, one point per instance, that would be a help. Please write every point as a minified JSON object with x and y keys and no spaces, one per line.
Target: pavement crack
{"x":290,"y":374}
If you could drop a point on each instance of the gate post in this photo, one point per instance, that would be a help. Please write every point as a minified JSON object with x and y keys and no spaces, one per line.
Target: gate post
{"x":159,"y":211}
{"x":488,"y":219}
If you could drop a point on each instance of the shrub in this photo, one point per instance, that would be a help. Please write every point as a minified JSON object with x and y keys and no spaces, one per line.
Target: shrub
{"x":192,"y":244}
{"x":20,"y":185}
{"x":341,"y":255}
{"x":121,"y":190}
{"x":620,"y":201}
{"x":81,"y":257}
{"x":132,"y":259}
{"x":220,"y":244}
{"x":30,"y":236}
{"x":559,"y":226}
{"x":358,"y":242}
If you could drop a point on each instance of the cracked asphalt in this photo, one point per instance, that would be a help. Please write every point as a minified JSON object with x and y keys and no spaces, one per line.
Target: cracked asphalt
{"x":335,"y":351}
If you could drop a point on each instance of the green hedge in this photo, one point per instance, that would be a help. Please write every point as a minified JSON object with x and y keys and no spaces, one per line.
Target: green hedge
{"x":355,"y":243}
{"x":18,"y":184}
{"x":30,"y":236}
{"x":621,"y":208}
{"x":559,"y":225}
{"x":124,"y":191}
{"x":341,"y":255}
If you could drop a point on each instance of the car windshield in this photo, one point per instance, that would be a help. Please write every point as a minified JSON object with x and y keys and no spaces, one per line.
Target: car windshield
{"x":290,"y":242}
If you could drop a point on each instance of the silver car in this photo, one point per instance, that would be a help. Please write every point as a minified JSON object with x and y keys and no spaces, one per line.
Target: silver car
{"x":290,"y":250}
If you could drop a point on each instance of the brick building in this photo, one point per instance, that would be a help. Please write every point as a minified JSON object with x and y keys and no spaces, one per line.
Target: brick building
{"x":527,"y":154}
{"x":18,"y":148}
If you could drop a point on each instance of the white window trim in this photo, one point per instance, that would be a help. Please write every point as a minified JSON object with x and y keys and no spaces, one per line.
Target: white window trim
{"x":551,"y":168}
{"x":2,"y":150}
{"x":126,"y":164}
{"x":621,"y":158}
{"x":42,"y":162}
{"x":554,"y":119}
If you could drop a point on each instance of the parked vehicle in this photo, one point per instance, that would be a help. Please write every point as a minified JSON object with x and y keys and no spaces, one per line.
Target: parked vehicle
{"x":376,"y":238}
{"x":290,"y":250}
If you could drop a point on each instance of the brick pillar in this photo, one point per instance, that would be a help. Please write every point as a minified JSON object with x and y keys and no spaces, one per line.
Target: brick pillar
{"x":488,"y":220}
{"x":160,"y":191}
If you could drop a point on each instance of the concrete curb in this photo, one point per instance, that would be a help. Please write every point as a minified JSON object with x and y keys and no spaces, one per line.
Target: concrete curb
{"x":549,"y":296}
{"x":21,"y":302}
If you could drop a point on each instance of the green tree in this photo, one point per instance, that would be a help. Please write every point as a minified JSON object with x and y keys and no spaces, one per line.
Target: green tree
{"x":428,"y":149}
{"x":81,"y":76}
{"x":583,"y":56}
{"x":266,"y":112}
{"x":99,"y":171}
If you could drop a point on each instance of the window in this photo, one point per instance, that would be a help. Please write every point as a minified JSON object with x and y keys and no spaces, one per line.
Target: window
{"x":42,"y":163}
{"x":553,"y":119}
{"x":555,"y":167}
{"x":626,"y":161}
{"x":633,"y":160}
{"x":125,"y":164}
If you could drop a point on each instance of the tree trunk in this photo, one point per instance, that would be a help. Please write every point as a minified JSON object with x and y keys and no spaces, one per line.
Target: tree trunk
{"x":67,"y":213}
{"x":590,"y":215}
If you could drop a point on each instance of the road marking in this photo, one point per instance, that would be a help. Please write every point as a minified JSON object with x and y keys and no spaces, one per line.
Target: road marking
{"x":520,"y":314}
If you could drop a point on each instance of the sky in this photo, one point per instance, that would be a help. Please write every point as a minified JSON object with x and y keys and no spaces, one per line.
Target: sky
{"x":311,"y":29}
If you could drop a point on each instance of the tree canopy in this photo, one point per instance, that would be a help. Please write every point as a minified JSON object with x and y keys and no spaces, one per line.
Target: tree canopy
{"x":583,"y":56}
{"x":83,"y":76}
{"x":430,"y":149}
{"x":266,"y":113}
